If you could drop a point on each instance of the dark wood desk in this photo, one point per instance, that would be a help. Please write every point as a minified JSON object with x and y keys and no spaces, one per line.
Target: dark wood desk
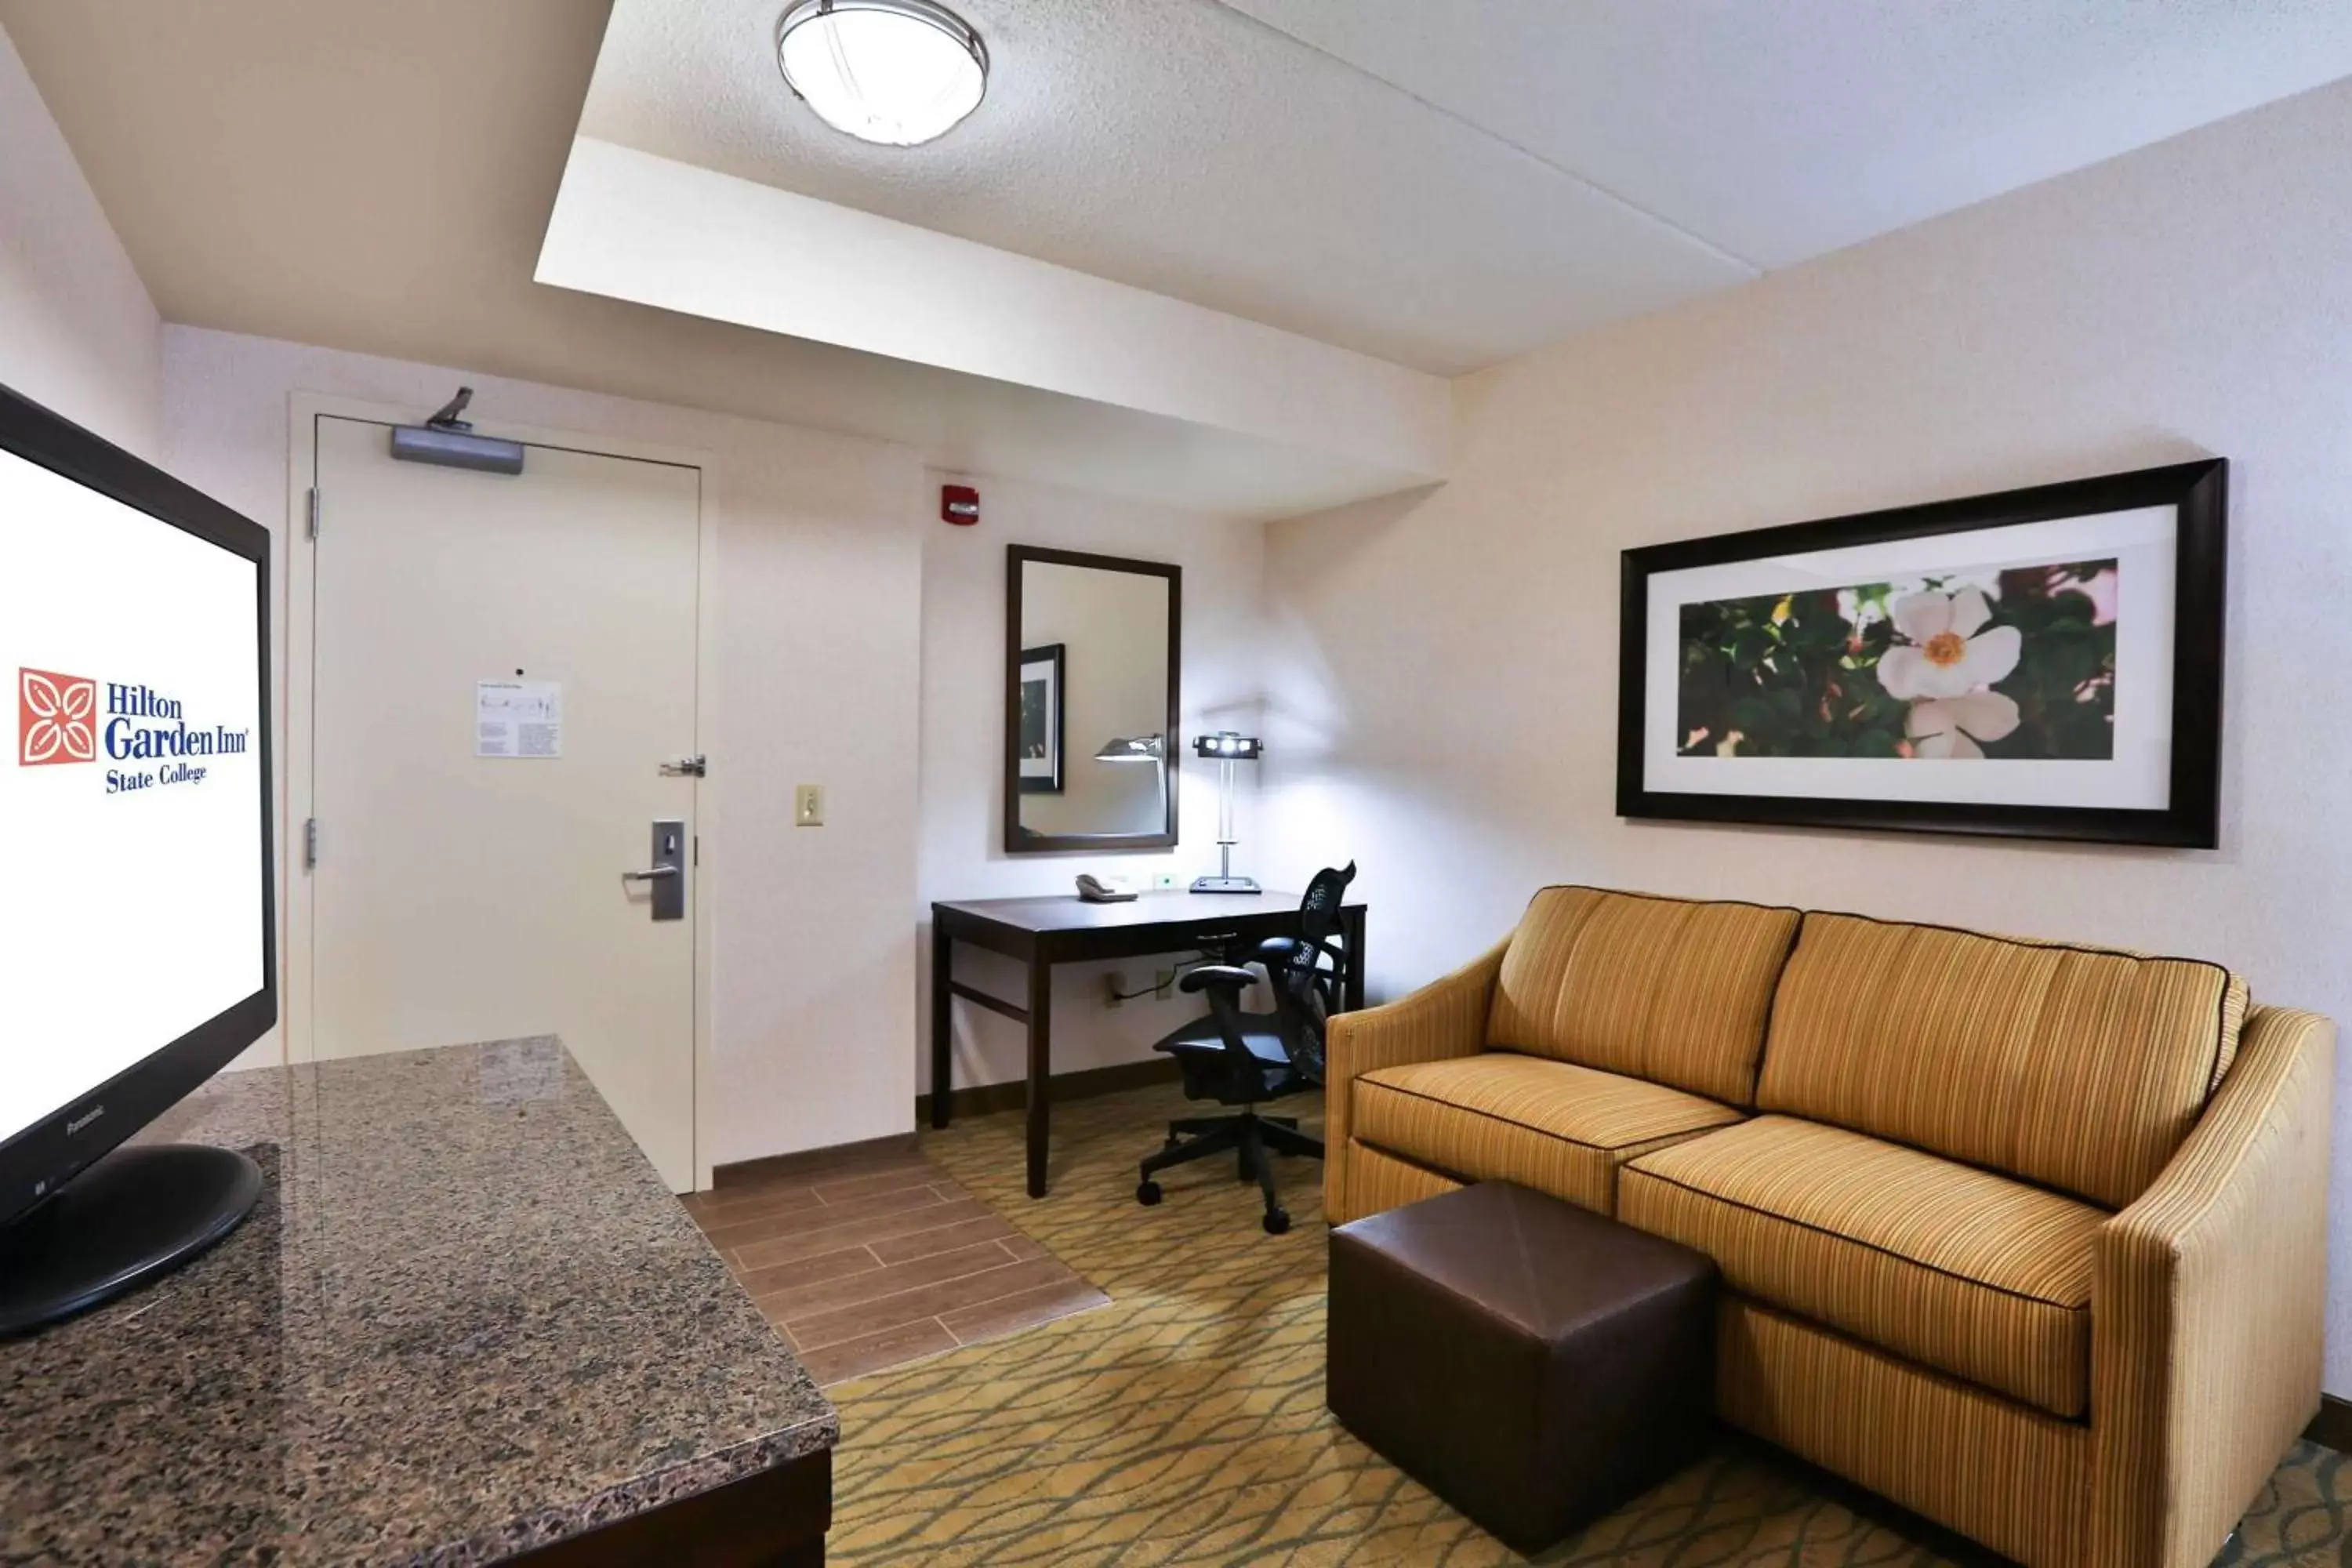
{"x":1043,"y":932}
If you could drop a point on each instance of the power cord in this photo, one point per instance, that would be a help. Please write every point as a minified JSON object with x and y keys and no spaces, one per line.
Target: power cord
{"x":1195,"y":962}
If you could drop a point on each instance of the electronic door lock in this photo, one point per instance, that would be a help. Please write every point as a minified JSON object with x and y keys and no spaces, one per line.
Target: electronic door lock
{"x":666,"y":875}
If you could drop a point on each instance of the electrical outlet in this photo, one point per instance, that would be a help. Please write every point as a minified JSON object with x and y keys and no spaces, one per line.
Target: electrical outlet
{"x":1163,"y":983}
{"x":808,"y":805}
{"x":1113,"y":983}
{"x":1163,"y":880}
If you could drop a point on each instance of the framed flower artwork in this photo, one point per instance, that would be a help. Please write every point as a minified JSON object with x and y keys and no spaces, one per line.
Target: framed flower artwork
{"x":2043,"y":663}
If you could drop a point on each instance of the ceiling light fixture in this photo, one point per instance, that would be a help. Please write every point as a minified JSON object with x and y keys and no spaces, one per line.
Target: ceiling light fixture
{"x":897,"y":72}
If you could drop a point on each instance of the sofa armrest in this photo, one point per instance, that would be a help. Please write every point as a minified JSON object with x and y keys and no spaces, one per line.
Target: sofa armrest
{"x":2208,"y":1304}
{"x":1446,"y":1018}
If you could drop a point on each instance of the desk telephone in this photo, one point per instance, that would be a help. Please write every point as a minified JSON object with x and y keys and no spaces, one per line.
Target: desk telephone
{"x":1106,"y":890}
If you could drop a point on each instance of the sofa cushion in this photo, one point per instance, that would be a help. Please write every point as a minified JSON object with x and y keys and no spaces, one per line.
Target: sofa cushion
{"x":1553,"y":1126}
{"x":1960,"y":1269}
{"x":1670,"y":990}
{"x":2081,"y":1068}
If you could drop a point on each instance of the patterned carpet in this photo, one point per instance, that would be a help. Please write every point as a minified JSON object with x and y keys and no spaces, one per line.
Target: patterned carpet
{"x":1185,"y":1423}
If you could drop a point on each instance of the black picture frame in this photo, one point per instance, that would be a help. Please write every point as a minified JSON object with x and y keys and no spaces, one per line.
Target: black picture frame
{"x":1054,"y":716}
{"x":1021,"y":840}
{"x":2191,"y":817}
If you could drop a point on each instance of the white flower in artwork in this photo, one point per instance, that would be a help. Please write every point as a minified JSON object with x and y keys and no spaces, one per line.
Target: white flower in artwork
{"x":1947,"y":650}
{"x":1985,"y":580}
{"x":1951,"y":726}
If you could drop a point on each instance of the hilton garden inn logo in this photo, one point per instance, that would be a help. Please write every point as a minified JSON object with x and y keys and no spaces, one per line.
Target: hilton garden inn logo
{"x":57,"y":718}
{"x":64,"y":719}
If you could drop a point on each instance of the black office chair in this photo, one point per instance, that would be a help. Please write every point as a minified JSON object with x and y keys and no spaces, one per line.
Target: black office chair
{"x":1246,"y":1058}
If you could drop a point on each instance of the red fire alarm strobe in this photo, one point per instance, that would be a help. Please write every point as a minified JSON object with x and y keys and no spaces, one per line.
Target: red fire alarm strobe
{"x":959,"y":504}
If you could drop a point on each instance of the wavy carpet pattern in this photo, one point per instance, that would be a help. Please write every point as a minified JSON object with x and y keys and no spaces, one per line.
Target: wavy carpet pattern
{"x":1184,"y":1424}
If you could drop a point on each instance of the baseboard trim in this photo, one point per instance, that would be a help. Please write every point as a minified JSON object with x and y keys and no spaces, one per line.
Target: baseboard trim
{"x":2332,"y":1427}
{"x":979,"y":1099}
{"x":769,"y":1167}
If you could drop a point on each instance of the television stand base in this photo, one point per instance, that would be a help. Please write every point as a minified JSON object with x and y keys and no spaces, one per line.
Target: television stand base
{"x":132,"y":1216}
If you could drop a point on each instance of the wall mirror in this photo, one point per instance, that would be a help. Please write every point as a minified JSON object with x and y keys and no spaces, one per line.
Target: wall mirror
{"x":1092,"y":651}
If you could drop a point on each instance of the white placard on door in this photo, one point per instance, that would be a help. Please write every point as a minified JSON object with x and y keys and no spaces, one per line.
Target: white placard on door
{"x":518,"y":717}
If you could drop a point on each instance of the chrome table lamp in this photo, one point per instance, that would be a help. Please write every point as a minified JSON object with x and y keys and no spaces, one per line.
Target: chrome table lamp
{"x":1225,"y":748}
{"x":1132,"y":749}
{"x":1153,"y":749}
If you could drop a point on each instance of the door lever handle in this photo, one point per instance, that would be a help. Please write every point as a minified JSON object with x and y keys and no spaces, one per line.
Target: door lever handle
{"x":666,"y":877}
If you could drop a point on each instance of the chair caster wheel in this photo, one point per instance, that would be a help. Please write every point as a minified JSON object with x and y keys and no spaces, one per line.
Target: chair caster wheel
{"x":1276,"y":1221}
{"x":1148,"y":1193}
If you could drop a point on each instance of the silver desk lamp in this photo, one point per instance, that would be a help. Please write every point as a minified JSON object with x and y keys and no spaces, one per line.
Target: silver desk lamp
{"x":1225,"y":748}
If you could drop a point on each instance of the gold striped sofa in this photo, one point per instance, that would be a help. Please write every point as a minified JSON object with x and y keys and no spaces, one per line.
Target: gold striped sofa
{"x":2030,"y":1237}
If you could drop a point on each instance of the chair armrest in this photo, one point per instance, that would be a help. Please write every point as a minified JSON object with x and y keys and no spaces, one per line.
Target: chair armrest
{"x":1446,"y":1018}
{"x":1224,"y":976}
{"x":2208,"y":1307}
{"x":1280,"y":951}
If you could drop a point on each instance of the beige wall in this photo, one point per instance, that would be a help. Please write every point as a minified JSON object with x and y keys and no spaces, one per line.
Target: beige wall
{"x":1444,"y":693}
{"x":817,"y":600}
{"x":963,"y":854}
{"x":77,"y":332}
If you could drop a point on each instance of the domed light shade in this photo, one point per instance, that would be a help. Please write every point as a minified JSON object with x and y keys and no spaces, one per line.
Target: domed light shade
{"x":898,"y":72}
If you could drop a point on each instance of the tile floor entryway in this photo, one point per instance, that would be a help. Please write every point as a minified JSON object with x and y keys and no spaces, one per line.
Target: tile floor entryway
{"x":877,"y":1259}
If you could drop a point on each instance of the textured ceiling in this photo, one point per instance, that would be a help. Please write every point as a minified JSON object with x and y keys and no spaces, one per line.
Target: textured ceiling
{"x":1449,"y":182}
{"x":298,"y":169}
{"x":1785,"y":128}
{"x":1182,"y":147}
{"x":1444,"y":183}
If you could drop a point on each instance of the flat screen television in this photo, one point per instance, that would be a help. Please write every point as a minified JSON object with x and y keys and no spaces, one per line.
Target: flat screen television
{"x":137,"y":933}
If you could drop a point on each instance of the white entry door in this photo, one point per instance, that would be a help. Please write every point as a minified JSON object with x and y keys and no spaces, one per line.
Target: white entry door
{"x":459,"y":896}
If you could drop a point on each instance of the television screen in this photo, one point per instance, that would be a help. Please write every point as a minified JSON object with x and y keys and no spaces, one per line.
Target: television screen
{"x":136,"y":940}
{"x":129,"y":817}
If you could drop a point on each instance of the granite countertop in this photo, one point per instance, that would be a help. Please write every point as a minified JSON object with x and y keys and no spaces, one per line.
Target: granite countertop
{"x":466,"y":1319}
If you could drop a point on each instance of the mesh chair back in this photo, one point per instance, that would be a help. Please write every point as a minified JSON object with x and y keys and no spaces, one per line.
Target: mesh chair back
{"x":1307,"y":986}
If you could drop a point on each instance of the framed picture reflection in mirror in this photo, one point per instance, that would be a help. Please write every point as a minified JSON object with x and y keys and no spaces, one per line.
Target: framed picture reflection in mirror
{"x":1042,"y":716}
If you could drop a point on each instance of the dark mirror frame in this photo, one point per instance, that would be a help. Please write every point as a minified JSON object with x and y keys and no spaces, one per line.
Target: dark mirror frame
{"x":1018,"y":840}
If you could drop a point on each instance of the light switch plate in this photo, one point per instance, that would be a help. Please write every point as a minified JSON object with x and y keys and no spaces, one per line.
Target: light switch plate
{"x":808,"y":805}
{"x":1163,"y":880}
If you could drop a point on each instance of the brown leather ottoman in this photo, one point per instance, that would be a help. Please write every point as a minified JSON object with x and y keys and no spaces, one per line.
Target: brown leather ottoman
{"x":1534,"y":1364}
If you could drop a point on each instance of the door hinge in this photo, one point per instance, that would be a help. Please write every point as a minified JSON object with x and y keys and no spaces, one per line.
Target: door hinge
{"x":311,"y":844}
{"x":697,"y":849}
{"x":693,"y":767}
{"x":311,"y":519}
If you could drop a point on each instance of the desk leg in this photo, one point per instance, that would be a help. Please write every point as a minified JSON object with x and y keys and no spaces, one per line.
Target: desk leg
{"x":942,"y":1024}
{"x":1041,"y":1064}
{"x":1355,"y":983}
